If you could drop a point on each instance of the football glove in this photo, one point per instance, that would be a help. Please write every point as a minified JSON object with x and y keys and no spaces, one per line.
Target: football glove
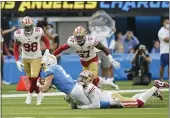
{"x":20,"y":65}
{"x":113,"y":62}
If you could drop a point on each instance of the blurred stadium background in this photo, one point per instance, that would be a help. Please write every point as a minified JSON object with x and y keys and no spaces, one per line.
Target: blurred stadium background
{"x":144,"y":19}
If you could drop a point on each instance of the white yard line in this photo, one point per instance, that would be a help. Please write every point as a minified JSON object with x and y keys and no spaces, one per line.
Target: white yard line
{"x":71,"y":113}
{"x":61,"y":94}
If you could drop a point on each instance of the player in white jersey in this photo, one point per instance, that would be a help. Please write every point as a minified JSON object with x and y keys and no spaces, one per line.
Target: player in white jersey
{"x":29,"y":39}
{"x":84,"y":46}
{"x":96,"y":95}
{"x":163,"y":35}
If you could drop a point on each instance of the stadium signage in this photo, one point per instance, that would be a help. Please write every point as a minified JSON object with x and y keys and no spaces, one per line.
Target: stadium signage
{"x":126,"y":6}
{"x":81,"y":5}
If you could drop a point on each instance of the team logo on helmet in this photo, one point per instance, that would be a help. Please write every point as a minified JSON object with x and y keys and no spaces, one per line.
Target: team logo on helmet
{"x":27,"y":24}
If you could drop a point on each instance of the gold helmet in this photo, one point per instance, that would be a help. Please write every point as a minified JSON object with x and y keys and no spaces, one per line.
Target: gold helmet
{"x":27,"y":24}
{"x":85,"y":77}
{"x":79,"y":34}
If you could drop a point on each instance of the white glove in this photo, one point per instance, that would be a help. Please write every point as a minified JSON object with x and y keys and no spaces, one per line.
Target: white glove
{"x":47,"y":52}
{"x":20,"y":65}
{"x":115,"y":63}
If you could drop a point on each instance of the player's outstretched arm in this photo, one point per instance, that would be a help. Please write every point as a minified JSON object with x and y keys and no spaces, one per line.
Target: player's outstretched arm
{"x":46,"y":41}
{"x":61,"y":48}
{"x":47,"y":83}
{"x":16,"y":50}
{"x":16,"y":55}
{"x":100,"y":46}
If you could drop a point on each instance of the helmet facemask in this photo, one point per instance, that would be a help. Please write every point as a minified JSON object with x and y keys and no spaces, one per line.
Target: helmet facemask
{"x":28,"y":30}
{"x":85,"y":78}
{"x":80,"y":39}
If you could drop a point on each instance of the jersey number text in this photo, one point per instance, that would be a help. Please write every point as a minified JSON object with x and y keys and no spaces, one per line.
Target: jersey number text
{"x":84,"y":54}
{"x":31,"y":47}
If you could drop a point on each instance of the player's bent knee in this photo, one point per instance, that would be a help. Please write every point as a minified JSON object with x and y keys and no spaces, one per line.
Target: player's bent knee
{"x":140,"y":103}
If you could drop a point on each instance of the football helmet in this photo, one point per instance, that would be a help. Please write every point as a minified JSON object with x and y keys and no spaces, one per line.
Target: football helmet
{"x":79,"y":34}
{"x":27,"y":24}
{"x":85,"y":77}
{"x":48,"y":59}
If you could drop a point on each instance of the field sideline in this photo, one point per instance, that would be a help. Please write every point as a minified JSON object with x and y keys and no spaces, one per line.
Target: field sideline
{"x":55,"y":107}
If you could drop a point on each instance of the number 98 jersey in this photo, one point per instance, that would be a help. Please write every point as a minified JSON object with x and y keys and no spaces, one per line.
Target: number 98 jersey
{"x":30,"y":44}
{"x":86,"y":51}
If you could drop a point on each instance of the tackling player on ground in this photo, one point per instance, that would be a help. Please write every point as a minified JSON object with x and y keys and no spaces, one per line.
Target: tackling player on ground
{"x":56,"y":75}
{"x":84,"y":46}
{"x":29,"y":39}
{"x":96,"y":95}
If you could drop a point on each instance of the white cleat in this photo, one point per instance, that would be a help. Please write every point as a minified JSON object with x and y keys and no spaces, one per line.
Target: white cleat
{"x":39,"y":98}
{"x":28,"y":99}
{"x":160,"y":84}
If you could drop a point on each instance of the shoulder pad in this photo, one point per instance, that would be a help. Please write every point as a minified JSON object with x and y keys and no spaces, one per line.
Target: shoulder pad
{"x":39,"y":31}
{"x":70,"y":40}
{"x":89,"y":88}
{"x":17,"y":34}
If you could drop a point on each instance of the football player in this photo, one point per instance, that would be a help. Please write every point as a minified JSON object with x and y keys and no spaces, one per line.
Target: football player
{"x":96,"y":95}
{"x":56,"y":75}
{"x":29,"y":39}
{"x":84,"y":46}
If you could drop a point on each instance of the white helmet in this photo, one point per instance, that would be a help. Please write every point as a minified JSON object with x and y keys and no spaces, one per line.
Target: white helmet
{"x":48,"y":59}
{"x":85,"y":77}
{"x":27,"y":24}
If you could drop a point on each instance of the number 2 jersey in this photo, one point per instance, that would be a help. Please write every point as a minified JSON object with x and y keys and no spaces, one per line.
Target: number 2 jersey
{"x":86,"y":52}
{"x":30,"y":44}
{"x":61,"y":80}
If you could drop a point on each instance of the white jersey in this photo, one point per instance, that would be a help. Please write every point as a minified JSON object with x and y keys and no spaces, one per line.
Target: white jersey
{"x":164,"y":46}
{"x":86,"y":52}
{"x":30,"y":44}
{"x":91,"y":90}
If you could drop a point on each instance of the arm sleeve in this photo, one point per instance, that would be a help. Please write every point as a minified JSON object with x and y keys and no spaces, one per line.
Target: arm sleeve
{"x":48,"y":73}
{"x":100,"y":46}
{"x":61,"y":48}
{"x":95,"y":101}
{"x":16,"y":50}
{"x":94,"y":98}
{"x":46,"y":41}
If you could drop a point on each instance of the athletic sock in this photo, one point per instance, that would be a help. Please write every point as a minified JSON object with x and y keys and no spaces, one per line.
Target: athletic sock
{"x":146,"y":95}
{"x":31,"y":90}
{"x":137,"y":96}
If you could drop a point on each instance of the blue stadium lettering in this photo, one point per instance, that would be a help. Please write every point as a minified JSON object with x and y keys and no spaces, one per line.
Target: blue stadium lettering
{"x":126,"y":6}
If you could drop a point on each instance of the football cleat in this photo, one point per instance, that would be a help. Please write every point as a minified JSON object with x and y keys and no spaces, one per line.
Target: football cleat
{"x":159,"y":84}
{"x":28,"y":99}
{"x":158,"y":94}
{"x":39,"y":98}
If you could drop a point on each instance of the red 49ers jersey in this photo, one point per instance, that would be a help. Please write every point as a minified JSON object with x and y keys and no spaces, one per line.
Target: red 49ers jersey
{"x":86,"y":52}
{"x":30,"y":44}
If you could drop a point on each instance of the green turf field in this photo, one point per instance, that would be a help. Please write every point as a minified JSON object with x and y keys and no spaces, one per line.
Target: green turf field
{"x":56,"y":107}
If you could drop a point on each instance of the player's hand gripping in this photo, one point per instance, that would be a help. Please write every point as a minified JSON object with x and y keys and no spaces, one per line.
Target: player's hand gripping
{"x":115,"y":63}
{"x":20,"y":65}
